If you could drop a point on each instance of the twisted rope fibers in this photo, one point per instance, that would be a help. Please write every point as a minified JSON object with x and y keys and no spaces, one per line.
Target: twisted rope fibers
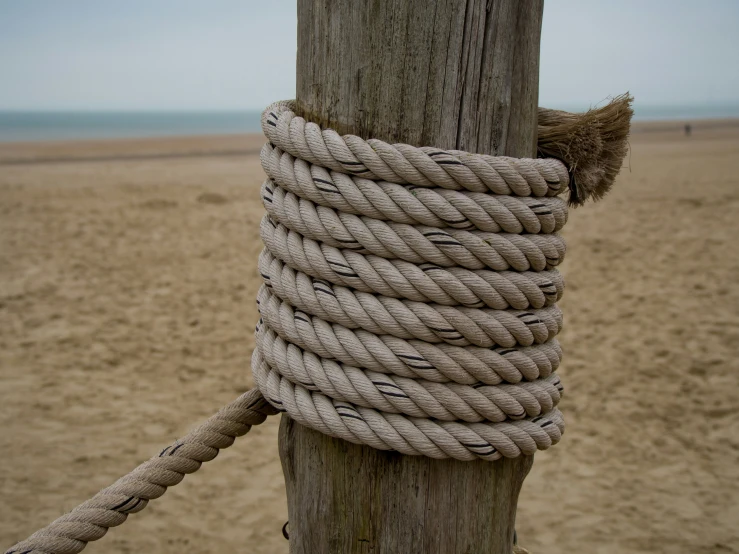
{"x":393,"y":275}
{"x":110,"y":507}
{"x":409,"y":303}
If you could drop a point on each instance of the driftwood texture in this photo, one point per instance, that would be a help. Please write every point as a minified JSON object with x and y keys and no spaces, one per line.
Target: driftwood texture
{"x":452,"y":74}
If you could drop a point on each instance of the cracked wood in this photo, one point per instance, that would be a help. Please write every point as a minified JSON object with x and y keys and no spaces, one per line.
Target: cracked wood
{"x":447,"y":73}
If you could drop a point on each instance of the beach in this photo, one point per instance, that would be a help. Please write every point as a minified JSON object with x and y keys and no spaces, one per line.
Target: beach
{"x":128,"y":274}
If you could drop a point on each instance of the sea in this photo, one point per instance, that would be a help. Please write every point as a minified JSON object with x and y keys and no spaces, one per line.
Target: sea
{"x":21,"y":126}
{"x":18,"y":126}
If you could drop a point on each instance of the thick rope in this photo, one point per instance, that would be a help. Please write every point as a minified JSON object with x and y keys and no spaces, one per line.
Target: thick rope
{"x":409,"y":293}
{"x":409,"y":303}
{"x":404,"y":164}
{"x":435,"y":207}
{"x":130,"y":494}
{"x":401,"y":317}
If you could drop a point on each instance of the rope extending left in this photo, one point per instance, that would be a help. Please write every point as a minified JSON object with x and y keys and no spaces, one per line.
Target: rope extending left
{"x":409,"y":302}
{"x":130,"y":494}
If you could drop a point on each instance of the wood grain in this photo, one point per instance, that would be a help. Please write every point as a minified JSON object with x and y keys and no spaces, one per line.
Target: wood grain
{"x":444,"y":73}
{"x":453,"y":75}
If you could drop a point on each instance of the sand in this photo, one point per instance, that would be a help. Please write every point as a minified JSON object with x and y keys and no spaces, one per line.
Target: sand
{"x":127,"y":291}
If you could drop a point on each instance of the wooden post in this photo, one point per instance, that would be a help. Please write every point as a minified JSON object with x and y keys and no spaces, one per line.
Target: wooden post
{"x":447,"y":73}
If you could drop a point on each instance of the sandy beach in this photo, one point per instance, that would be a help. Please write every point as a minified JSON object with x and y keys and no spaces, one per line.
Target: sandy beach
{"x":127,"y":285}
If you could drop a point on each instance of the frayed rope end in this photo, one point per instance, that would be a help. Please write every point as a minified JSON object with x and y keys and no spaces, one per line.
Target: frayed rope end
{"x":592,"y":145}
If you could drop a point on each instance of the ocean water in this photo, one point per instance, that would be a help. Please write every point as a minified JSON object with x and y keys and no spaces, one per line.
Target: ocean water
{"x":38,"y":126}
{"x":668,"y":112}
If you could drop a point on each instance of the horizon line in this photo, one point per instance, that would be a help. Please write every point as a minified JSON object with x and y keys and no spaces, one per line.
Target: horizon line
{"x":191,"y":109}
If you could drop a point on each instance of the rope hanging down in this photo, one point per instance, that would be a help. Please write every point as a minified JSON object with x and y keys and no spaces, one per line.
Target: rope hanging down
{"x":409,"y":302}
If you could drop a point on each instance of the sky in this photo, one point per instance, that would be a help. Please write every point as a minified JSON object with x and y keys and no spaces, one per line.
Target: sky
{"x":240,"y":54}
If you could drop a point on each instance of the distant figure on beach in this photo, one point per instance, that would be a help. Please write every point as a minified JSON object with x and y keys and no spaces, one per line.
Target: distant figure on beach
{"x":688,"y":129}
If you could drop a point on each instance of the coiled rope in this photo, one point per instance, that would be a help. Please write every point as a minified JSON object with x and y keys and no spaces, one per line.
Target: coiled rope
{"x":409,"y":303}
{"x":409,"y":293}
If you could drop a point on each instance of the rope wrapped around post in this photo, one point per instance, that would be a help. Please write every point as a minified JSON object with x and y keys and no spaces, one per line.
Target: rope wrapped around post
{"x":409,"y":302}
{"x":409,"y":293}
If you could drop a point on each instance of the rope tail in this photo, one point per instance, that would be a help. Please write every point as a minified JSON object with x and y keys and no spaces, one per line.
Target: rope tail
{"x":130,"y":494}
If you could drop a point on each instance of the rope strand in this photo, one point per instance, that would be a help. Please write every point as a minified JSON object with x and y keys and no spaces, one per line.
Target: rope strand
{"x":131,"y":493}
{"x":409,"y":298}
{"x":409,"y":303}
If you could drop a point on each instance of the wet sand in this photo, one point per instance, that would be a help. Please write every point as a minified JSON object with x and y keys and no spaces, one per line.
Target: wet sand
{"x":127,"y":285}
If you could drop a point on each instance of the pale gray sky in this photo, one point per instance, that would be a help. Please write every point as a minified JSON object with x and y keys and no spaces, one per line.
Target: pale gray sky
{"x":240,"y":54}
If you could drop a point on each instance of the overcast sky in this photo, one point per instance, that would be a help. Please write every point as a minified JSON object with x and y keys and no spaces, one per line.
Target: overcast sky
{"x":237,"y":54}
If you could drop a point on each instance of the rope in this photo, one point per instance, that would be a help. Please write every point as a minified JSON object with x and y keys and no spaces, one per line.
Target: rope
{"x":409,"y":303}
{"x":435,"y":207}
{"x":404,"y":164}
{"x":130,"y":494}
{"x":409,"y":297}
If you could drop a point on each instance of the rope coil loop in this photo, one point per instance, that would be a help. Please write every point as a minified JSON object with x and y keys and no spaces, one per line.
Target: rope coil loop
{"x":409,"y":297}
{"x":409,"y":304}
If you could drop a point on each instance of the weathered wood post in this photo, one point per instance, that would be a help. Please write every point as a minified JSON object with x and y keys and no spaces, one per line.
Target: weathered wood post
{"x":447,"y":73}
